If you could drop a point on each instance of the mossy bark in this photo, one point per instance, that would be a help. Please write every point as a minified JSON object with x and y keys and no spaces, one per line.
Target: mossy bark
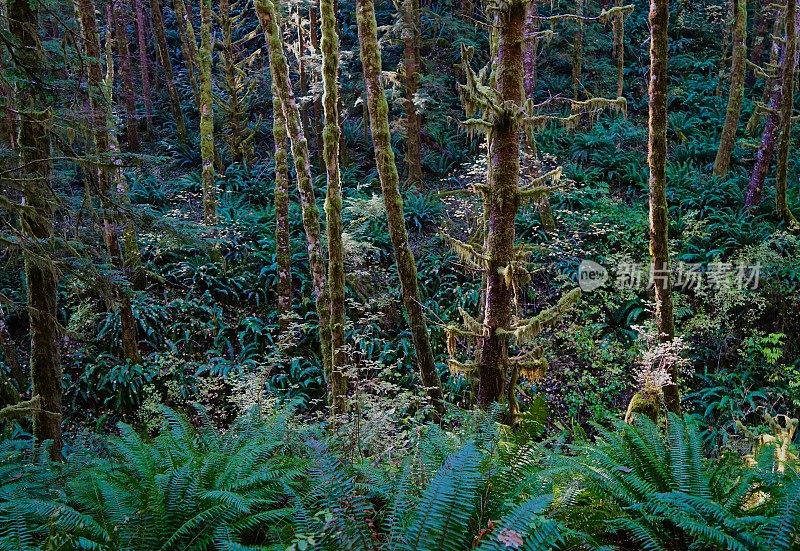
{"x":736,"y":94}
{"x":726,"y":42}
{"x":235,"y":111}
{"x":577,"y":50}
{"x":333,"y":201}
{"x":531,"y":46}
{"x":144,"y":65}
{"x":283,"y":251}
{"x":378,"y":109}
{"x":166,"y":64}
{"x":411,"y":75}
{"x":786,"y":105}
{"x":656,"y":159}
{"x":268,"y":17}
{"x":503,"y":203}
{"x":191,"y":56}
{"x":206,"y":109}
{"x":41,"y":275}
{"x":619,"y":48}
{"x":100,"y":104}
{"x":126,"y":75}
{"x":769,"y":85}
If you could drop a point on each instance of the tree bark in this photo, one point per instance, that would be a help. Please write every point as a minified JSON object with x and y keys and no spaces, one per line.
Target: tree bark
{"x":531,"y":46}
{"x":333,"y":201}
{"x":144,"y":66}
{"x":283,"y":251}
{"x":166,"y":64}
{"x":577,"y":51}
{"x":769,"y":84}
{"x":757,"y":44}
{"x":126,"y":75}
{"x":726,"y":42}
{"x":10,"y":355}
{"x":267,"y":15}
{"x":736,"y":94}
{"x":411,"y":68}
{"x":191,"y":56}
{"x":206,"y":108}
{"x":786,"y":105}
{"x":378,"y":109}
{"x":656,"y":159}
{"x":619,"y":48}
{"x":503,"y":203}
{"x":37,"y":223}
{"x":235,"y":111}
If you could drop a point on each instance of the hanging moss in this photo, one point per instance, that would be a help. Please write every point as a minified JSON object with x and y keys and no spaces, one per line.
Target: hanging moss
{"x":387,"y":170}
{"x":736,"y":94}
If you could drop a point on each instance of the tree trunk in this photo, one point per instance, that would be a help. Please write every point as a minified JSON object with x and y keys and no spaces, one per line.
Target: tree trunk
{"x":191,"y":56}
{"x":283,"y":85}
{"x":769,"y":84}
{"x":313,"y":24}
{"x":503,"y":200}
{"x":619,"y":48}
{"x":577,"y":51}
{"x":126,"y":75}
{"x":235,"y":111}
{"x":333,"y":201}
{"x":283,"y":251}
{"x":166,"y":64}
{"x":531,"y":46}
{"x":411,"y":67}
{"x":736,"y":94}
{"x":726,"y":42}
{"x":656,"y":159}
{"x":206,"y":108}
{"x":37,"y":223}
{"x":144,"y":66}
{"x":10,"y":355}
{"x":786,"y":105}
{"x":387,"y":172}
{"x":759,"y":39}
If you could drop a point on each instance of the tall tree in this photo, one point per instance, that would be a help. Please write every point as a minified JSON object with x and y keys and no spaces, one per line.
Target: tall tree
{"x":126,"y":74}
{"x":283,"y":251}
{"x":144,"y":64}
{"x":166,"y":64}
{"x":387,"y":171}
{"x":770,"y":72}
{"x":41,"y":275}
{"x":786,"y":110}
{"x":100,"y":106}
{"x":206,"y":109}
{"x":530,"y":48}
{"x":191,"y":56}
{"x":268,"y":17}
{"x":618,"y":28}
{"x":237,"y":88}
{"x":736,"y":94}
{"x":409,"y":12}
{"x":577,"y":49}
{"x":333,"y":201}
{"x":656,"y":159}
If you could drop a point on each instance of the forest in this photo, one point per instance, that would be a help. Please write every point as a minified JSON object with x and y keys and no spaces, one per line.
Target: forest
{"x":408,"y":275}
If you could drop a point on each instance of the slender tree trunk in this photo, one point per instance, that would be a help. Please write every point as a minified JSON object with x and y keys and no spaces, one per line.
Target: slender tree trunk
{"x":235,"y":111}
{"x":144,"y":65}
{"x":207,"y":116}
{"x":314,"y":24}
{"x":280,"y":75}
{"x":659,"y":213}
{"x":100,"y":106}
{"x":736,"y":94}
{"x":769,"y":84}
{"x":786,"y":106}
{"x":726,"y":42}
{"x":37,"y":222}
{"x":619,"y":48}
{"x":503,"y":200}
{"x":577,"y":51}
{"x":166,"y":64}
{"x":759,"y":39}
{"x":387,"y":171}
{"x":191,"y":56}
{"x":283,"y":251}
{"x":333,"y":200}
{"x":126,"y":75}
{"x":531,"y":46}
{"x":411,"y":67}
{"x":10,"y":355}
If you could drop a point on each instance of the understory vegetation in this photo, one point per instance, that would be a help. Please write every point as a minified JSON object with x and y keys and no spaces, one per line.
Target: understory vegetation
{"x":171,"y":275}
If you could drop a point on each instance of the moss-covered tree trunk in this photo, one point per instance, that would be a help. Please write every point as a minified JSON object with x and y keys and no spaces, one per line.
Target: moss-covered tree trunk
{"x":769,"y":85}
{"x":758,"y":40}
{"x":378,"y":109}
{"x":333,"y":200}
{"x":144,"y":65}
{"x":234,"y":110}
{"x":786,"y":106}
{"x":206,"y":109}
{"x":283,"y":85}
{"x":727,"y":25}
{"x":41,"y":275}
{"x":166,"y":64}
{"x":283,"y":251}
{"x":314,"y":25}
{"x":126,"y":75}
{"x":191,"y":56}
{"x":619,"y":48}
{"x":659,"y":212}
{"x":530,"y":48}
{"x":736,"y":94}
{"x":503,"y":203}
{"x":577,"y":50}
{"x":411,"y":74}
